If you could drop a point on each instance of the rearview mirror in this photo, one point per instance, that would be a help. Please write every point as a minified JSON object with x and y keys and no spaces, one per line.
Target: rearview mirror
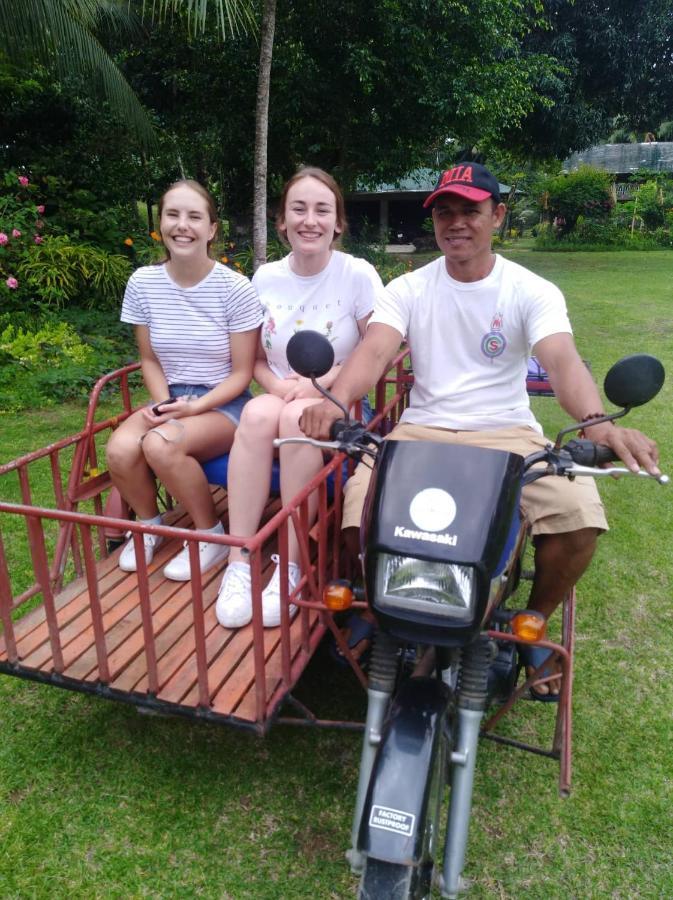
{"x":634,"y":380}
{"x":310,"y":354}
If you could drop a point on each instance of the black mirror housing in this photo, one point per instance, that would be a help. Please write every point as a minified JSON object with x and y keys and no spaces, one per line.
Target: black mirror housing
{"x":310,"y":354}
{"x":634,"y":380}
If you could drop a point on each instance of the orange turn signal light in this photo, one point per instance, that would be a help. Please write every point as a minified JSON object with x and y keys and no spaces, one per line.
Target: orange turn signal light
{"x":338,"y":595}
{"x":529,"y":625}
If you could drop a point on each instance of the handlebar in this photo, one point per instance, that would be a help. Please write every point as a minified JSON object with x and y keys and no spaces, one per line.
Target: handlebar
{"x":351,"y":438}
{"x":577,"y":457}
{"x":575,"y":469}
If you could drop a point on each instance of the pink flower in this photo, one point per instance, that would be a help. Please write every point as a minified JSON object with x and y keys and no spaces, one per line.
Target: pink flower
{"x":37,"y":238}
{"x":40,"y":209}
{"x":16,"y":232}
{"x":3,"y":238}
{"x":23,"y":181}
{"x":12,"y":283}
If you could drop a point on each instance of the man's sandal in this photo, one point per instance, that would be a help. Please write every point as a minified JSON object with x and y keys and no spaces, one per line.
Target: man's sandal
{"x":355,"y":630}
{"x":532,"y":658}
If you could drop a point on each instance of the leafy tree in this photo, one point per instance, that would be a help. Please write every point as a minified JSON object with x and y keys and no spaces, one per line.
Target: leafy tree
{"x":230,"y":12}
{"x":370,"y":97}
{"x":653,"y":199}
{"x":378,"y":93}
{"x":62,"y":36}
{"x":616,"y":61}
{"x":587,"y":192}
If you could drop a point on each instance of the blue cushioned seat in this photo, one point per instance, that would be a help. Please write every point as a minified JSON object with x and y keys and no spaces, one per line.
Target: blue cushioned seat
{"x":216,"y":472}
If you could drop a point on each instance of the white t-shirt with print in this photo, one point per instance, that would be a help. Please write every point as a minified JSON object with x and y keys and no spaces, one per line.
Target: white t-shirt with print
{"x":190,"y":327}
{"x":470,"y":342}
{"x":330,"y":302}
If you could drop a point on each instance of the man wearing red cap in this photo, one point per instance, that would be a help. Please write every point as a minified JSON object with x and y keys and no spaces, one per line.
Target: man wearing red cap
{"x":472,"y":319}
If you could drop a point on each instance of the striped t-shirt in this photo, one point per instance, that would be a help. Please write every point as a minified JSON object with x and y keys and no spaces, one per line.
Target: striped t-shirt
{"x":189,"y":327}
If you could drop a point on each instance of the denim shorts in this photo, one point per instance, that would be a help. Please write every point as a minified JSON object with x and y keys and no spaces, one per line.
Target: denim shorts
{"x":232,"y":410}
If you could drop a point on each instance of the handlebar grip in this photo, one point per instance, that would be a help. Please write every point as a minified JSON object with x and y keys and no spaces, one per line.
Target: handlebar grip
{"x":585,"y":453}
{"x":338,"y":428}
{"x":604,"y":454}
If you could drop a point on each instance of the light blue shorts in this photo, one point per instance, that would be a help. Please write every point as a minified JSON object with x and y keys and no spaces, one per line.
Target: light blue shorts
{"x":232,"y":410}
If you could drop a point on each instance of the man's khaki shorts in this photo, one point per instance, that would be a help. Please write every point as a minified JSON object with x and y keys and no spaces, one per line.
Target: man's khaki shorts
{"x":551,"y":505}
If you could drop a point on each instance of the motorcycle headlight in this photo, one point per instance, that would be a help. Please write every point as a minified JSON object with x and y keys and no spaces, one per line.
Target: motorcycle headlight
{"x":441,"y":589}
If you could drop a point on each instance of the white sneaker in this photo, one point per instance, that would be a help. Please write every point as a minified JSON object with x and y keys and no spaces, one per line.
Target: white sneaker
{"x":271,"y":593}
{"x":209,"y":555}
{"x":127,"y":558}
{"x":234,"y":600}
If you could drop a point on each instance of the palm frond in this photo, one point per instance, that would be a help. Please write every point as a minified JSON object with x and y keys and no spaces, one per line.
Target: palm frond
{"x":59,"y":34}
{"x":233,"y":16}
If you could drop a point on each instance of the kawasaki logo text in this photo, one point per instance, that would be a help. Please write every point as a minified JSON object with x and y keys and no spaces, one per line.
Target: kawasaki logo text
{"x":449,"y":539}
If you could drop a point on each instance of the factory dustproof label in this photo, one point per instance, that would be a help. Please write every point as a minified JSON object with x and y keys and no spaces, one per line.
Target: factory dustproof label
{"x":392,"y":820}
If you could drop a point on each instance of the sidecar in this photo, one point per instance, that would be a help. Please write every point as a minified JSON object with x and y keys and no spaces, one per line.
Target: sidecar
{"x":72,"y":619}
{"x":76,"y":621}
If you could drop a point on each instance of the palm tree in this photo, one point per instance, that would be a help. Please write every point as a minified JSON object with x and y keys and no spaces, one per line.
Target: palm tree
{"x":61,"y":34}
{"x":261,"y":134}
{"x":232,"y":15}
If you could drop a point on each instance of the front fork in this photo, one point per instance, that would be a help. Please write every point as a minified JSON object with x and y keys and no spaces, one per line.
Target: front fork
{"x":382,"y":679}
{"x":472,"y":688}
{"x":471,"y":705}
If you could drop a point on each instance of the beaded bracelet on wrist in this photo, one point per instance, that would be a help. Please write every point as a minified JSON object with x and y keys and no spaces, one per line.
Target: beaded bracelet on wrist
{"x":589,"y":418}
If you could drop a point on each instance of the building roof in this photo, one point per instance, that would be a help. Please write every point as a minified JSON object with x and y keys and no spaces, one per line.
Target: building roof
{"x":623,"y":159}
{"x":420,"y":181}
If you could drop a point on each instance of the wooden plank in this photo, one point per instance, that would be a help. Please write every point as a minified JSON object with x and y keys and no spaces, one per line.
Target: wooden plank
{"x":273,"y":670}
{"x":35,"y":618}
{"x":242,"y":678}
{"x":37,"y":653}
{"x":76,"y":629}
{"x":123,"y":626}
{"x":184,"y":677}
{"x":132,"y":675}
{"x":75,"y":624}
{"x":169,"y":609}
{"x":109,"y":575}
{"x":225,"y":649}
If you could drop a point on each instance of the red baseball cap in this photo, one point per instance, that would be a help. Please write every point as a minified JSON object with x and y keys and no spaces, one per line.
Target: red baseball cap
{"x":470,"y":180}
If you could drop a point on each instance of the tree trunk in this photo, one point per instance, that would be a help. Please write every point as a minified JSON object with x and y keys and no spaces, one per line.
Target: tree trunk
{"x":150,"y":215}
{"x":262,"y":132}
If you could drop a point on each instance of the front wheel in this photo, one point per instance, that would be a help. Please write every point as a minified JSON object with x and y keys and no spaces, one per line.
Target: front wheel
{"x":394,"y":881}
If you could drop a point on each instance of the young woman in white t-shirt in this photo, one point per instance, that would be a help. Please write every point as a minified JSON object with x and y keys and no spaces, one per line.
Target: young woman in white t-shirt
{"x":314,"y":287}
{"x":197,"y":327}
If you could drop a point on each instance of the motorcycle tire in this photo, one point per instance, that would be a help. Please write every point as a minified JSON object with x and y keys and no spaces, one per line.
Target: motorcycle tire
{"x":383,"y":880}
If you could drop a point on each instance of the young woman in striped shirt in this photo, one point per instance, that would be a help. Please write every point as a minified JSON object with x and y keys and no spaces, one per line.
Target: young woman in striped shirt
{"x":197,"y":326}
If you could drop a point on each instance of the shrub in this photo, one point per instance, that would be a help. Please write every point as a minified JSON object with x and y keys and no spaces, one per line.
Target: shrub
{"x":651,"y":202}
{"x":22,"y":227}
{"x":44,"y":361}
{"x":88,"y":218}
{"x":60,"y":272}
{"x":38,"y":365}
{"x":587,"y":192}
{"x":41,"y":268}
{"x":242,"y":259}
{"x":596,"y":236}
{"x":370,"y":246}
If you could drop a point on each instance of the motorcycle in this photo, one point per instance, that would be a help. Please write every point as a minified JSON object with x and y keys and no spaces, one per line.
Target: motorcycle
{"x":441,"y":549}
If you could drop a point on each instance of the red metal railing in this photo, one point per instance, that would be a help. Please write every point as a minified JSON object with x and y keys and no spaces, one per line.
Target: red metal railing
{"x":78,"y":634}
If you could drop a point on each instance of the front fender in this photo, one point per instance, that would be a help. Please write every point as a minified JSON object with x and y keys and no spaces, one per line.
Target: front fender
{"x":400,"y":790}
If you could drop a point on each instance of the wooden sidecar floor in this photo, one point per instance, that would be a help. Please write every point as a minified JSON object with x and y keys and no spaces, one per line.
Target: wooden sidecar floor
{"x":230,"y":657}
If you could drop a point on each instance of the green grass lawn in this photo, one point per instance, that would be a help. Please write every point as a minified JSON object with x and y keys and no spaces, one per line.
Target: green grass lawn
{"x":99,"y":801}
